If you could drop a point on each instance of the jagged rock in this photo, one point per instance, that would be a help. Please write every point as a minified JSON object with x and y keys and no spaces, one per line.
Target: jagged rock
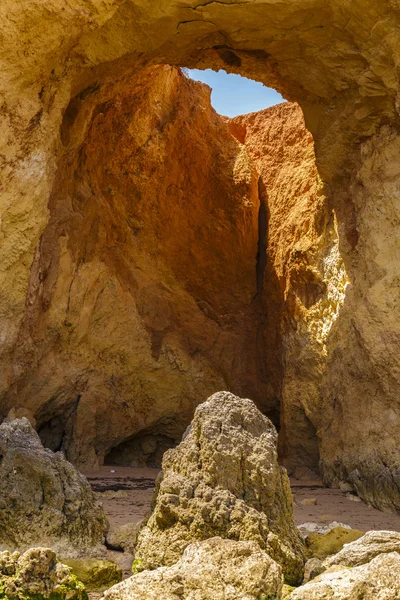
{"x":43,"y":498}
{"x":97,"y":575}
{"x":365,"y":549}
{"x":377,"y":580}
{"x":331,"y":542}
{"x":224,"y":479}
{"x":216,"y":568}
{"x":37,"y":575}
{"x":313,"y":567}
{"x":124,"y":537}
{"x":165,"y":312}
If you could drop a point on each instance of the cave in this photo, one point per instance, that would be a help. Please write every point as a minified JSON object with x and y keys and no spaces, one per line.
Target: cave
{"x":96,"y":297}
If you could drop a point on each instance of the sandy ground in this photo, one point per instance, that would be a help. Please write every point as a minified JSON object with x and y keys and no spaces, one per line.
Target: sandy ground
{"x":126,"y":495}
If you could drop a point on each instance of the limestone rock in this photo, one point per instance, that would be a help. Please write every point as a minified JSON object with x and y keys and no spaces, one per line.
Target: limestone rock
{"x":97,"y":575}
{"x":124,"y":537}
{"x":379,"y":579}
{"x":364,"y":549}
{"x":216,"y":568}
{"x":313,"y":567}
{"x":37,"y":575}
{"x":143,"y":283}
{"x":330,"y":542}
{"x":305,"y":275}
{"x":223,"y":479}
{"x":43,"y":498}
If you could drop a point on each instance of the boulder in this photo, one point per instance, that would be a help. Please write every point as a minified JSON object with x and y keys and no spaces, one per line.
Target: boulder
{"x":96,"y":574}
{"x":223,"y":480}
{"x":313,"y":567}
{"x":216,"y":568}
{"x":37,"y":575}
{"x":365,"y":549}
{"x":124,"y":537}
{"x":377,"y":580}
{"x":331,"y":542}
{"x":44,"y":500}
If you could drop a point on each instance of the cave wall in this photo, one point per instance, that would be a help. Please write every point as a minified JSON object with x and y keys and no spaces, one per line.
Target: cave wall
{"x":339,"y":60}
{"x":142,"y":299}
{"x":305,"y":282}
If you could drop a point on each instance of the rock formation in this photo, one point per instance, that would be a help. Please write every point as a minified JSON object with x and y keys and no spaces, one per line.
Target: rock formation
{"x":143,"y":289}
{"x":331,"y":542}
{"x":215,"y":568}
{"x":96,"y":574}
{"x":378,"y":579}
{"x":354,"y":553}
{"x":223,"y":479}
{"x":364,"y":549}
{"x":339,"y":61}
{"x":44,"y":500}
{"x":37,"y":575}
{"x":305,"y":277}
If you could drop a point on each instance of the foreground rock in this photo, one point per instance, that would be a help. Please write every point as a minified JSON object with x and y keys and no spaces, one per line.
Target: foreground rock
{"x":124,"y":537}
{"x":37,"y":575}
{"x":365,"y":549}
{"x":377,"y":580}
{"x":223,"y":479}
{"x":216,"y":568}
{"x":97,"y":575}
{"x":331,"y":542}
{"x":44,"y":500}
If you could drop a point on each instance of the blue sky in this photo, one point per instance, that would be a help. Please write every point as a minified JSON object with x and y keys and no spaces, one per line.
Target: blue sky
{"x":234,"y":95}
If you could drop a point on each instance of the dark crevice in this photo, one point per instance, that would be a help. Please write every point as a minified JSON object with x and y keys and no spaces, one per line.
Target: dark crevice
{"x":54,"y":432}
{"x":261,"y":261}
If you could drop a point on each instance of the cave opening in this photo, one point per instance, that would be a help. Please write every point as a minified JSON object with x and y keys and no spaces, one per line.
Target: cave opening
{"x":233,"y":95}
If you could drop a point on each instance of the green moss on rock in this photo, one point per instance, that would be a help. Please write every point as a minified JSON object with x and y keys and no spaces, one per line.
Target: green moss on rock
{"x":97,"y":575}
{"x":137,"y":566}
{"x":36,"y":575}
{"x":321,"y":546}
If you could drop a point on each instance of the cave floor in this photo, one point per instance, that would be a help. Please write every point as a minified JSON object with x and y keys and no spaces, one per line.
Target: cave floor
{"x":126,"y":496}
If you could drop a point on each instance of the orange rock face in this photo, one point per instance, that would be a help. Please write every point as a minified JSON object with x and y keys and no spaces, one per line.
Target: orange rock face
{"x":143,"y":295}
{"x":305,"y":278}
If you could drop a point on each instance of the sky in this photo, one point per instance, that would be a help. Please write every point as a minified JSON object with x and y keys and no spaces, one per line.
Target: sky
{"x":234,"y":95}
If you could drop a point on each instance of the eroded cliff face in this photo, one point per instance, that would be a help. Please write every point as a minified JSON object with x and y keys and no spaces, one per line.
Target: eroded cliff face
{"x":305,"y":281}
{"x":334,"y":319}
{"x":142,"y":295}
{"x":338,"y":59}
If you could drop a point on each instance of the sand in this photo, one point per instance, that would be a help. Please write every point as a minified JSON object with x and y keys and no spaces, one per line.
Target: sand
{"x":129,"y":492}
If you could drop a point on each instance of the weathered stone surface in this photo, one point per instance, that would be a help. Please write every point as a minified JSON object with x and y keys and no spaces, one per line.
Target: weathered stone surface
{"x":312,"y":568}
{"x":43,"y":498}
{"x":97,"y":575}
{"x":365,"y":549}
{"x":215,"y":568}
{"x":330,"y":542}
{"x":223,"y":479}
{"x":144,"y":282}
{"x":379,"y":579}
{"x":36,"y":575}
{"x":328,"y":287}
{"x":339,"y":60}
{"x":124,"y":537}
{"x":305,"y":278}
